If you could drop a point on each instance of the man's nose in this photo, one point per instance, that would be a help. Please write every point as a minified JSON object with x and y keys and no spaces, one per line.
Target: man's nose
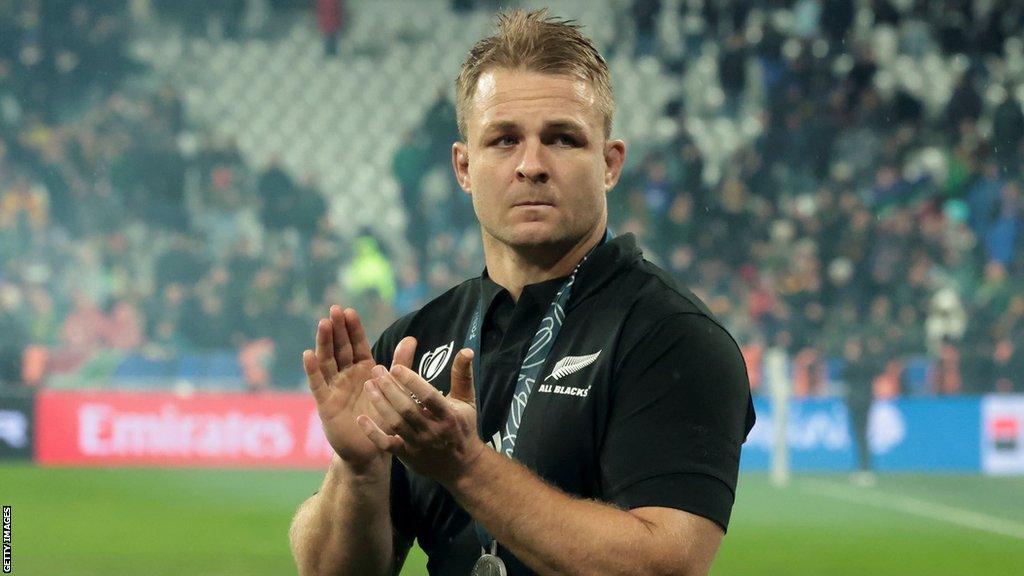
{"x":532,"y":166}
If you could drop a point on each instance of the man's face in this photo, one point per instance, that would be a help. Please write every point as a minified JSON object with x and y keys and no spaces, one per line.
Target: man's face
{"x":536,"y":161}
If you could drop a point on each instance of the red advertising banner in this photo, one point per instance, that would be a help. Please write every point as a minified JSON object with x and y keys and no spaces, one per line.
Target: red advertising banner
{"x":265,"y":430}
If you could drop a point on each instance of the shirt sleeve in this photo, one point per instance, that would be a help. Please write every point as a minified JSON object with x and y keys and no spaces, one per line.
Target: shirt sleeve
{"x":680,"y":413}
{"x":383,"y":349}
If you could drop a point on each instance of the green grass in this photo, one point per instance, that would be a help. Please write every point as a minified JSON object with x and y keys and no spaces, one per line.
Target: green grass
{"x":800,"y":530}
{"x":216,"y":522}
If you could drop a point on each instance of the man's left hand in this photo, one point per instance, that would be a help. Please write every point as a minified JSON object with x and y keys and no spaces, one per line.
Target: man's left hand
{"x":434,"y":435}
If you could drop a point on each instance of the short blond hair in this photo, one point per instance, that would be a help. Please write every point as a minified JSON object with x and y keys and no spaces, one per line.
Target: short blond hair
{"x":536,"y":42}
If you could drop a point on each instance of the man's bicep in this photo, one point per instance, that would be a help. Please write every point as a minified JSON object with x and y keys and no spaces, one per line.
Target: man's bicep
{"x":687,"y":540}
{"x":678,"y":420}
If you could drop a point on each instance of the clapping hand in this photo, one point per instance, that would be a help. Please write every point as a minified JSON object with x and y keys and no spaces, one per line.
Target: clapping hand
{"x":336,"y":371}
{"x":433,"y":434}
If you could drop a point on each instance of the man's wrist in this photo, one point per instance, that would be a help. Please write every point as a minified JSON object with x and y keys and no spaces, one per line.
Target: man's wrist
{"x":471,"y":472}
{"x":369,"y":475}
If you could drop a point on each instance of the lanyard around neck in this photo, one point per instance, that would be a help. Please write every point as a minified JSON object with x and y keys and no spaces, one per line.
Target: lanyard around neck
{"x":536,"y":355}
{"x":533,"y":363}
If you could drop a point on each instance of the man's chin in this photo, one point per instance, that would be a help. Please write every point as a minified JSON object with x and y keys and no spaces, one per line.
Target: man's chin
{"x":538,"y":236}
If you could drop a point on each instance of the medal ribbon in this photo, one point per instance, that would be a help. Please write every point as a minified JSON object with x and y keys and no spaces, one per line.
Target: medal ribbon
{"x":533,"y":363}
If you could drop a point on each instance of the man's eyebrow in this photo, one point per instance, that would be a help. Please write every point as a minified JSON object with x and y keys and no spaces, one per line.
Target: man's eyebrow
{"x":501,"y":126}
{"x":554,"y":125}
{"x":568,"y":125}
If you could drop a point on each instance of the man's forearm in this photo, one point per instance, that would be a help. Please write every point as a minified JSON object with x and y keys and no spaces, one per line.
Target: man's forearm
{"x":346,"y":527}
{"x":555,"y":533}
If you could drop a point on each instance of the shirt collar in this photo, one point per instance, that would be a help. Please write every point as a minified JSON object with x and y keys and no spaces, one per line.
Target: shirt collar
{"x":541,"y":293}
{"x":606,"y":260}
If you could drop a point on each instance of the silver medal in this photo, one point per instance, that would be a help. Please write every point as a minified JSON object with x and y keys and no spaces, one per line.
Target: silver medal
{"x":489,"y":565}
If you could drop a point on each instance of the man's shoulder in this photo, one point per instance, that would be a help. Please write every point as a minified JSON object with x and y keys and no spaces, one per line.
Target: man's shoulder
{"x":660,"y":295}
{"x":659,"y":304}
{"x":624,"y":280}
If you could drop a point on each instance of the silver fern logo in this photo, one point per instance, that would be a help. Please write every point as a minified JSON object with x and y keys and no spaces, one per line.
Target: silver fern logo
{"x":571,"y":365}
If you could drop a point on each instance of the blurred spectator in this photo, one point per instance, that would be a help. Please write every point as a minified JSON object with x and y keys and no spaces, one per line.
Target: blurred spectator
{"x":837,"y":19}
{"x":460,"y":6}
{"x":124,"y":325}
{"x":331,"y":18}
{"x":279,"y":198}
{"x":408,"y":167}
{"x":85,"y":324}
{"x":182,"y":262}
{"x":441,"y":129}
{"x":645,"y":18}
{"x":207,"y":322}
{"x":946,"y":322}
{"x":848,"y":194}
{"x":992,"y":298}
{"x":983,"y":199}
{"x":948,"y":378}
{"x":965,"y":105}
{"x":806,"y":18}
{"x":657,"y":194}
{"x":370,"y":272}
{"x":411,"y":290}
{"x":15,"y":336}
{"x":292,"y":332}
{"x":1007,"y":365}
{"x":732,"y":69}
{"x":324,"y":262}
{"x":861,"y":367}
{"x":1001,"y":238}
{"x":1008,"y":133}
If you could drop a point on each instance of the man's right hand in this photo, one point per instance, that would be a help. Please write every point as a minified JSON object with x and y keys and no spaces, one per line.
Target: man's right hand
{"x":336,"y":371}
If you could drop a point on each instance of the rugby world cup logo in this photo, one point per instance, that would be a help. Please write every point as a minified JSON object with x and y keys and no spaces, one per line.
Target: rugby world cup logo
{"x":432,"y":363}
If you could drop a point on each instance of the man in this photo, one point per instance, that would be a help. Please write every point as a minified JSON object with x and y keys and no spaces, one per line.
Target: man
{"x":863,"y":355}
{"x":621,"y":401}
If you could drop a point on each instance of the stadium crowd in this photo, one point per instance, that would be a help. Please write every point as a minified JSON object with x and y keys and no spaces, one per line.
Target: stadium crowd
{"x":858,"y":213}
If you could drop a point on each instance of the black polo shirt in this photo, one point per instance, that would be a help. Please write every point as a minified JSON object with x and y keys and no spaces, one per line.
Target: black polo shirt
{"x":653,"y":414}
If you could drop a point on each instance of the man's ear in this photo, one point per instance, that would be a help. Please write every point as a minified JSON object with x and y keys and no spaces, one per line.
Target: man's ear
{"x":614,"y":158}
{"x":460,"y":163}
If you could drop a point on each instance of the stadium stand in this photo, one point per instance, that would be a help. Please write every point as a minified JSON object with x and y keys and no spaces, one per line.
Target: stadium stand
{"x":178,"y":202}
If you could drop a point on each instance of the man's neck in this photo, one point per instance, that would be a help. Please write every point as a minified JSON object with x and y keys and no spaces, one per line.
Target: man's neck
{"x":513,"y":268}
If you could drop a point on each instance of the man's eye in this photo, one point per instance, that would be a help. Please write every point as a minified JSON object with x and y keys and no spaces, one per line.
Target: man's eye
{"x":505,"y":141}
{"x":565,"y":140}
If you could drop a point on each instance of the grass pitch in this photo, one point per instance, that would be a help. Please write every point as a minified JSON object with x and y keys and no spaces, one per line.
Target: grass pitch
{"x":108,"y":522}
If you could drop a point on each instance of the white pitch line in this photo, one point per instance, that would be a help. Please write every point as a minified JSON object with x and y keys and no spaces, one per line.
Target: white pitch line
{"x":917,"y":507}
